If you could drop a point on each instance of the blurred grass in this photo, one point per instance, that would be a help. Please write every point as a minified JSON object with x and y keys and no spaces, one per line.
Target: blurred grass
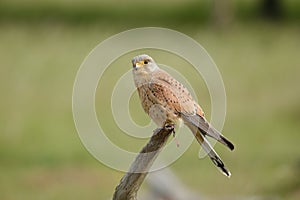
{"x":136,"y":12}
{"x":106,"y":12}
{"x":41,"y":156}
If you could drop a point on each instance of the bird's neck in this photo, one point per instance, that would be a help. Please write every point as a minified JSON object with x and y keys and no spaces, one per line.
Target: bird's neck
{"x":142,"y":78}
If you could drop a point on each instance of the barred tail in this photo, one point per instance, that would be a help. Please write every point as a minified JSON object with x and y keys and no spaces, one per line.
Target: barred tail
{"x":210,"y":151}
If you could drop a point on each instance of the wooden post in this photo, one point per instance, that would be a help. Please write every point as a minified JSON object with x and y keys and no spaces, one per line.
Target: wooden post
{"x":133,"y":179}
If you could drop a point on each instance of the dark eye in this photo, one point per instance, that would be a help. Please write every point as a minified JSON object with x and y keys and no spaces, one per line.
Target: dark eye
{"x":145,"y":62}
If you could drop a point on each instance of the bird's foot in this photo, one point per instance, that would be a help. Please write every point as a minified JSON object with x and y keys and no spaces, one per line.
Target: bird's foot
{"x":171,"y":127}
{"x":168,"y":127}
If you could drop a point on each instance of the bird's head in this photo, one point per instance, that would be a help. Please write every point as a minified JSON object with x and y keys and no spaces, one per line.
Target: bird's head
{"x":143,"y":63}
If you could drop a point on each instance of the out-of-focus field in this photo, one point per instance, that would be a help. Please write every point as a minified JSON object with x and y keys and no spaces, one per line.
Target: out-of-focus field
{"x":41,"y":156}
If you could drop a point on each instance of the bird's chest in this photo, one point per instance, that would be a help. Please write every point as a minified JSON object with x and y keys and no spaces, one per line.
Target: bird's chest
{"x":147,"y":98}
{"x":156,"y":107}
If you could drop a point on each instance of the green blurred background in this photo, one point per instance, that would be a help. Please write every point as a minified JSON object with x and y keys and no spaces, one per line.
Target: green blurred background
{"x":256,"y":45}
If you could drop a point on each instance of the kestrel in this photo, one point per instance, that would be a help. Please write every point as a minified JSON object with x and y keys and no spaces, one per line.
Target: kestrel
{"x":168,"y":103}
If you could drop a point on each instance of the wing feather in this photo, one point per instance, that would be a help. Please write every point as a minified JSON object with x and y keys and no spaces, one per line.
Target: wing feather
{"x":207,"y":129}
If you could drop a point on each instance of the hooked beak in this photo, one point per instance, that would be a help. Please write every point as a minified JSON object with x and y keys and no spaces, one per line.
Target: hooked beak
{"x":136,"y":65}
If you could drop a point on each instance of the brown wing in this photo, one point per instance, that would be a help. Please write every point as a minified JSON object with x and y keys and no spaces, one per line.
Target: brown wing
{"x":158,"y":93}
{"x":165,"y":96}
{"x":207,"y":129}
{"x":176,"y":93}
{"x":180,"y":98}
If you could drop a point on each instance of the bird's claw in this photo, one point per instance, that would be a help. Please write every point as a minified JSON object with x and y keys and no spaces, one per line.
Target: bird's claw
{"x":170,"y":127}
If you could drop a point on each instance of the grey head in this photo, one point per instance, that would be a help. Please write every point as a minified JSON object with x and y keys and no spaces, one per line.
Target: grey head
{"x":143,"y":63}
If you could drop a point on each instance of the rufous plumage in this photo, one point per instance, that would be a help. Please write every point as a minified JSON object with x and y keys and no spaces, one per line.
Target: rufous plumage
{"x":168,"y":102}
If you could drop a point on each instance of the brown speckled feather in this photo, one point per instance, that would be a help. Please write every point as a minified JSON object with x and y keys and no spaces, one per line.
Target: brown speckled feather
{"x":167,"y":101}
{"x":176,"y":95}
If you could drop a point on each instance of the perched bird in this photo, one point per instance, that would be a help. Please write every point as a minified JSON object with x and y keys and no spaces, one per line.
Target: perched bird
{"x":168,"y":103}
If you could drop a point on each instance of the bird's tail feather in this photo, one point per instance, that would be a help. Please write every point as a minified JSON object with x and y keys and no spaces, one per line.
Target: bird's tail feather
{"x":210,"y":151}
{"x":206,"y":129}
{"x":212,"y":132}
